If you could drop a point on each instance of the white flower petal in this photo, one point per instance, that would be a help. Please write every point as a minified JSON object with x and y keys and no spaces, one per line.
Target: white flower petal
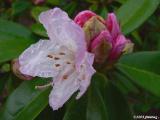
{"x":62,"y":30}
{"x":75,"y":80}
{"x":63,"y":89}
{"x":42,"y":59}
{"x":86,"y":74}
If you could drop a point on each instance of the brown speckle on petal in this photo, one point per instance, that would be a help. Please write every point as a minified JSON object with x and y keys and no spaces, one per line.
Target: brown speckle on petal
{"x":62,"y":53}
{"x":65,"y":77}
{"x":57,"y":65}
{"x":68,"y":62}
{"x":56,"y":58}
{"x":50,"y":56}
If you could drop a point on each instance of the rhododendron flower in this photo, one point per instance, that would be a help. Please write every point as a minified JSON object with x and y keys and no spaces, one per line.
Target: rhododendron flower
{"x":104,"y":37}
{"x":63,"y":57}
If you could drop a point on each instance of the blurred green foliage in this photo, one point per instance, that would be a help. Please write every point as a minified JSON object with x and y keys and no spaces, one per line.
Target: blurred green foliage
{"x":131,"y":88}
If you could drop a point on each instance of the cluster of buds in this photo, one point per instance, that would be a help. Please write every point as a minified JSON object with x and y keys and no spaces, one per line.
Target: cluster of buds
{"x":104,"y":37}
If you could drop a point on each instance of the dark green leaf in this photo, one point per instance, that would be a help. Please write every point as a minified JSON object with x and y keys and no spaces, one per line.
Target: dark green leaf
{"x":96,"y":109}
{"x":39,"y":30}
{"x":20,"y":6}
{"x":36,"y":12}
{"x":133,"y":13}
{"x":116,"y":104}
{"x":104,"y":12}
{"x":14,"y":38}
{"x":104,"y":102}
{"x":146,"y":79}
{"x":25,"y":103}
{"x":76,"y":109}
{"x":148,"y":61}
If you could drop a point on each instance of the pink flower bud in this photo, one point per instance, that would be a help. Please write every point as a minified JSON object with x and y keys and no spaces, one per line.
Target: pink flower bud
{"x":83,"y":16}
{"x":104,"y":37}
{"x":92,"y":28}
{"x":113,"y":25}
{"x":15,"y":69}
{"x":101,"y":46}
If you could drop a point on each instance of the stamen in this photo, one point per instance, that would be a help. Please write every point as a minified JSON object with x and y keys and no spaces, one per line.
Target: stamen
{"x":57,"y":65}
{"x":50,"y":56}
{"x":62,"y":53}
{"x":43,"y":86}
{"x":65,"y":77}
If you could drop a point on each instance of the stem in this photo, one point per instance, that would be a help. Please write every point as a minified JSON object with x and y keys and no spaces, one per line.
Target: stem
{"x":43,"y":86}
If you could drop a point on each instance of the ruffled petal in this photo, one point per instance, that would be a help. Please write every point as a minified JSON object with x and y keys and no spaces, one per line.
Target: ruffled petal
{"x":70,"y":81}
{"x":42,"y":59}
{"x":86,"y":74}
{"x":62,"y":30}
{"x":65,"y":85}
{"x":113,"y":25}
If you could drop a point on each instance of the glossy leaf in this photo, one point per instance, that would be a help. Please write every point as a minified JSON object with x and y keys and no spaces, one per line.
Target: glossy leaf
{"x":76,"y":109}
{"x":25,"y":103}
{"x":96,"y":109}
{"x":148,"y":61}
{"x":104,"y":102}
{"x":14,"y":38}
{"x":145,"y":79}
{"x":133,"y":13}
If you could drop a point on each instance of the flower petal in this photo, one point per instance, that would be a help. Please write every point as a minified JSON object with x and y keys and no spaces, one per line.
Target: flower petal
{"x":113,"y":25}
{"x":83,"y":16}
{"x":101,"y":46}
{"x":62,"y":30}
{"x":70,"y":81}
{"x":86,"y":74}
{"x":40,"y":59}
{"x":63,"y":88}
{"x":118,"y":47}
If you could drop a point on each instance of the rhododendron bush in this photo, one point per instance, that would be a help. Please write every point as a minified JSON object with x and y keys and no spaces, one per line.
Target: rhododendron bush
{"x":79,"y":60}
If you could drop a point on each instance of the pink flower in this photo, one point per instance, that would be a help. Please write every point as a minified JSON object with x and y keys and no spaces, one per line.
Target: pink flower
{"x":63,"y":57}
{"x":104,"y":37}
{"x":84,"y":16}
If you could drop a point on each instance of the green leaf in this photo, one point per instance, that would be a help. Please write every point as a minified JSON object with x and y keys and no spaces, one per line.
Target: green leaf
{"x":36,"y":12}
{"x":116,"y":104}
{"x":96,"y":109}
{"x":148,"y":61}
{"x":70,"y":8}
{"x":122,"y":82}
{"x":20,"y":6}
{"x":39,"y":30}
{"x":14,"y":38}
{"x":103,"y":102}
{"x":54,"y":2}
{"x":145,"y":79}
{"x":25,"y":103}
{"x":104,"y":12}
{"x":133,"y":13}
{"x":143,"y":69}
{"x":76,"y":109}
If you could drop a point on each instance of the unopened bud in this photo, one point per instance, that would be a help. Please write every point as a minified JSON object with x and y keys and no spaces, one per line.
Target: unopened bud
{"x":15,"y":69}
{"x":92,"y":28}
